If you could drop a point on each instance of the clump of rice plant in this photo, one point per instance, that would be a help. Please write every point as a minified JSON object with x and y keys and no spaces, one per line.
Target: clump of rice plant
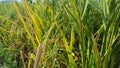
{"x":66,"y":33}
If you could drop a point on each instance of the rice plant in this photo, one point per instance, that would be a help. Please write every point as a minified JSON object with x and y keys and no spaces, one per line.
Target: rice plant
{"x":63,"y":33}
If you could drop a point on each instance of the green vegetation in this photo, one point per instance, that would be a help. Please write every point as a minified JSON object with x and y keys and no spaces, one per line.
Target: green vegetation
{"x":60,"y":33}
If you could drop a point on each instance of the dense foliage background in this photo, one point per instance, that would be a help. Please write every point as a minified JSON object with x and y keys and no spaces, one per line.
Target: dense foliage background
{"x":73,"y":34}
